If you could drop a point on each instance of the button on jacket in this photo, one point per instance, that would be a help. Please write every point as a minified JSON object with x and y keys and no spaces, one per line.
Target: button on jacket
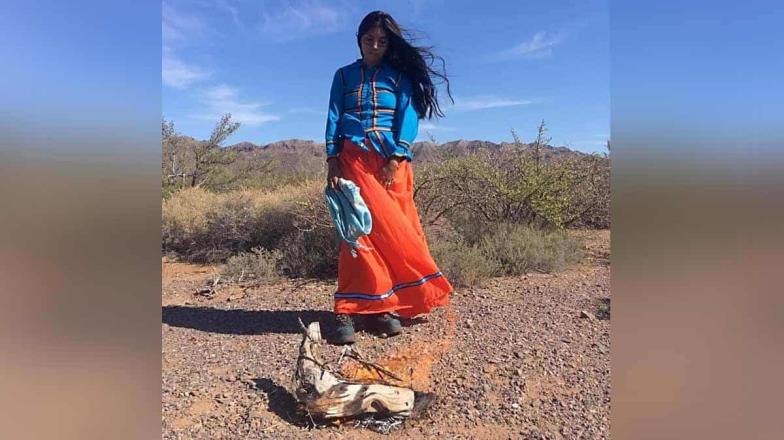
{"x":374,"y":103}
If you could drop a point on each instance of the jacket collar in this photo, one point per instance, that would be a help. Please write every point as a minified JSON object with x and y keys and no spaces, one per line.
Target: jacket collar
{"x":383,"y":64}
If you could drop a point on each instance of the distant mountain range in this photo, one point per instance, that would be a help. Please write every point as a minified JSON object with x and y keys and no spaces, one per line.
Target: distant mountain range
{"x":423,"y":151}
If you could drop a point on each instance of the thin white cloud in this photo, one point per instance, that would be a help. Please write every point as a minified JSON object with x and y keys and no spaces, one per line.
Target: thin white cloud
{"x":540,"y":45}
{"x":487,"y":101}
{"x":179,"y":74}
{"x":283,"y":21}
{"x":222,"y":99}
{"x":228,"y":7}
{"x":178,"y":30}
{"x":432,"y":127}
{"x":178,"y":27}
{"x":424,"y":9}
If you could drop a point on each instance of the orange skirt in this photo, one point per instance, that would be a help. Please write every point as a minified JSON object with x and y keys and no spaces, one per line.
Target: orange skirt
{"x":397,"y":274}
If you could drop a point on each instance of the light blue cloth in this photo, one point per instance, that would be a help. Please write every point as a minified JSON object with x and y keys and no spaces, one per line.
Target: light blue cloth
{"x":350,"y":214}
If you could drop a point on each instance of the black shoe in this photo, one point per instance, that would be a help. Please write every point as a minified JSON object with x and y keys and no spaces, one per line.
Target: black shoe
{"x":345,"y":329}
{"x":386,"y":324}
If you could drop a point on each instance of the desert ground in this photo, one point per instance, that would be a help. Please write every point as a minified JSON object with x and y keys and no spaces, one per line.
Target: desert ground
{"x":524,"y":357}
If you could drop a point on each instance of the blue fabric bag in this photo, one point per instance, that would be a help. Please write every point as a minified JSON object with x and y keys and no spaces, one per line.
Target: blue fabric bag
{"x":350,"y":214}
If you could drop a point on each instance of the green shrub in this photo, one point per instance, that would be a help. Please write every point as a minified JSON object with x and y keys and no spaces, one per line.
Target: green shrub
{"x":519,"y":249}
{"x":516,"y":184}
{"x":463,"y":265}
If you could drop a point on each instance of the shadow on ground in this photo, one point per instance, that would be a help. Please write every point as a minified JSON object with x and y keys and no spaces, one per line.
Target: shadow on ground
{"x":243,"y":322}
{"x":281,"y":401}
{"x":413,"y":321}
{"x":603,"y":311}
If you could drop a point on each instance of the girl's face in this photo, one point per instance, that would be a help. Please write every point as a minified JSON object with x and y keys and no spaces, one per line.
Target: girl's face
{"x":374,"y":45}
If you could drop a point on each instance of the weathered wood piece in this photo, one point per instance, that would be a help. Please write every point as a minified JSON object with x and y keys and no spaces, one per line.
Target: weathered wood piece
{"x":327,"y":396}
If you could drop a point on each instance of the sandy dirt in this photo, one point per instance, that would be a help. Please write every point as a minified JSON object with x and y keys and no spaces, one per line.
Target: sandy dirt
{"x":520,"y":358}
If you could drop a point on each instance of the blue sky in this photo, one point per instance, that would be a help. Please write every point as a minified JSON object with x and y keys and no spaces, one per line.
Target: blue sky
{"x":270,"y":64}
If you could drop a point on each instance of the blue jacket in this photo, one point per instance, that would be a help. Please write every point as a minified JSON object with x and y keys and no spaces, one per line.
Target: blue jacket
{"x":375,"y":102}
{"x":349,"y":213}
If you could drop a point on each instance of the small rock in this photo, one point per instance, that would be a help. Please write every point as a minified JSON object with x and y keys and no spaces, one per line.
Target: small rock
{"x":584,"y":314}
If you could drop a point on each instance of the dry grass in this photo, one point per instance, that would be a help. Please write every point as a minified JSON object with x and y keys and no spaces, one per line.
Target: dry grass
{"x":259,"y":265}
{"x":288,"y":231}
{"x":201,"y":226}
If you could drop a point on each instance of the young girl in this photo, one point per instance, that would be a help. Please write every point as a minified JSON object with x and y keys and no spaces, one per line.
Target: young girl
{"x":374,"y":107}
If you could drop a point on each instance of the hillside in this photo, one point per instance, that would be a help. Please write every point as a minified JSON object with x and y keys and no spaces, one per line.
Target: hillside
{"x":423,"y":151}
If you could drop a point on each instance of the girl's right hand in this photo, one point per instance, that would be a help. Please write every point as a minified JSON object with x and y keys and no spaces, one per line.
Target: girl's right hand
{"x":333,"y":173}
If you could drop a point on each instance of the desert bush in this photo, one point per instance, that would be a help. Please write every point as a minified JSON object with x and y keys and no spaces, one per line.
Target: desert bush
{"x":310,"y":247}
{"x":519,"y":249}
{"x":291,"y":226}
{"x":260,"y":265}
{"x":310,"y":254}
{"x":270,"y":170}
{"x":199,"y":225}
{"x":515,"y":185}
{"x":505,"y":249}
{"x":589,"y":201}
{"x":202,"y":226}
{"x":487,"y":212}
{"x":462,"y":264}
{"x":188,"y":163}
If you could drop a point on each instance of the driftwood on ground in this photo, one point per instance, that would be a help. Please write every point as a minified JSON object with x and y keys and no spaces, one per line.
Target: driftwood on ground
{"x":325,"y":395}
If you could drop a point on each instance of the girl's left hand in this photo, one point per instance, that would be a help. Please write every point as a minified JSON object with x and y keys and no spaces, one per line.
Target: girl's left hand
{"x":389,"y":170}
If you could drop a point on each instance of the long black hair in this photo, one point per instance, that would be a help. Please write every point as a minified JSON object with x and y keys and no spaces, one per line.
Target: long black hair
{"x":416,"y":62}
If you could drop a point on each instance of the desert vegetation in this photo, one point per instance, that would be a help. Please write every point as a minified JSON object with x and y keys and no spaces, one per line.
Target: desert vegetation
{"x":488,"y":210}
